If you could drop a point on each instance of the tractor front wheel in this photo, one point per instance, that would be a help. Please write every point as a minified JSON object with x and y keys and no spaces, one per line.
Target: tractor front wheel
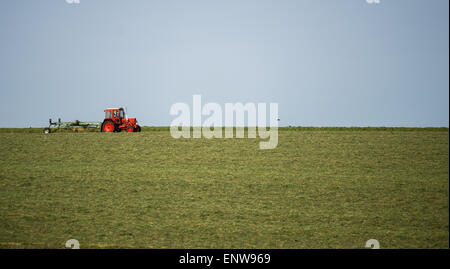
{"x":108,"y":127}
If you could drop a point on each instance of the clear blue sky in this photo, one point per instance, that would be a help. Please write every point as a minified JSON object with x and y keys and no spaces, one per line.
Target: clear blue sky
{"x":326,"y":62}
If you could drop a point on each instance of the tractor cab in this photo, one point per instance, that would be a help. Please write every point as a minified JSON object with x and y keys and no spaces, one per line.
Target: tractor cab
{"x":116,"y":120}
{"x":115,"y":114}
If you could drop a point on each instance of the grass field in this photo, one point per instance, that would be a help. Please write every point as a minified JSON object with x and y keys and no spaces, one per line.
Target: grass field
{"x":320,"y":188}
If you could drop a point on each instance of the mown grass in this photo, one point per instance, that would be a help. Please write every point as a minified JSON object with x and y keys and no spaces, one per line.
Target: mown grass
{"x":293,"y":128}
{"x":327,"y":189}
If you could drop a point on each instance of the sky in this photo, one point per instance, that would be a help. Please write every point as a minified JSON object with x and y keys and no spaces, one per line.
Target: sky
{"x":325,"y":62}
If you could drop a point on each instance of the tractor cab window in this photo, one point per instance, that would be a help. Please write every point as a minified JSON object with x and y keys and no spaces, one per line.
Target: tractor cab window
{"x":115,"y":113}
{"x":108,"y":114}
{"x":122,"y":114}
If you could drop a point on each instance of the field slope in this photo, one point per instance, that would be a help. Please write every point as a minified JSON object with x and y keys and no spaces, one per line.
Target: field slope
{"x":320,"y":188}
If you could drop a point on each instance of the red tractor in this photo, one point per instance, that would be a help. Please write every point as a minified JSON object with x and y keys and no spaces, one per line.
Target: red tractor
{"x":116,"y":120}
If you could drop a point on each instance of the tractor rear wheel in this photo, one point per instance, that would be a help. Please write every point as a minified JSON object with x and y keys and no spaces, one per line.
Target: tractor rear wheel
{"x":108,"y":127}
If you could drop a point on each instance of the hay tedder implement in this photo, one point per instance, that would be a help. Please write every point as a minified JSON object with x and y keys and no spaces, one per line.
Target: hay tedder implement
{"x":116,"y":120}
{"x":75,"y":126}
